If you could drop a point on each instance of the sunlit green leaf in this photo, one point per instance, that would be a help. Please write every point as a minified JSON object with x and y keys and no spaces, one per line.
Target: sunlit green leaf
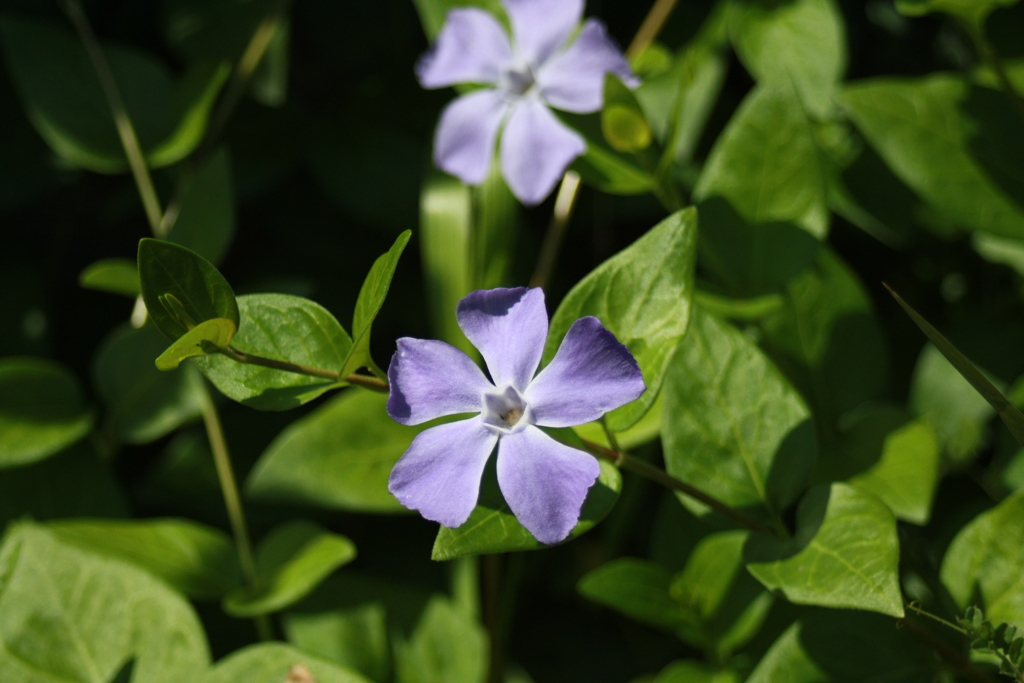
{"x":42,"y":410}
{"x":428,"y":655}
{"x":286,"y":328}
{"x":182,"y":289}
{"x":290,"y":562}
{"x":197,"y":560}
{"x":277,"y":663}
{"x":354,"y":636}
{"x":114,"y":275}
{"x":206,"y":219}
{"x":201,"y":340}
{"x":643,"y":296}
{"x":687,"y":671}
{"x":845,"y":553}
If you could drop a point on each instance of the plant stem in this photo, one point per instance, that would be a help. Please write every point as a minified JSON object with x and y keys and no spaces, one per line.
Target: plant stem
{"x":951,"y":655}
{"x":651,"y":27}
{"x":122,"y":121}
{"x":492,"y":614}
{"x":365,"y":381}
{"x":232,"y":499}
{"x":917,"y":609}
{"x":991,"y":58}
{"x":628,"y":462}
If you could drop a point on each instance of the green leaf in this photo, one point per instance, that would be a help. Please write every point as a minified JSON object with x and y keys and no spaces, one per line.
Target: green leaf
{"x":801,"y":42}
{"x":339,"y":457}
{"x":951,"y":142}
{"x":281,"y":327}
{"x":429,"y":655}
{"x":688,"y":671}
{"x":643,"y":296}
{"x":603,"y":167}
{"x":206,"y":219}
{"x":355,"y":637}
{"x":645,"y":430}
{"x":54,"y":631}
{"x":887,"y":453}
{"x":747,"y":453}
{"x":637,"y":588}
{"x":182,"y":289}
{"x":203,"y":339}
{"x":827,"y":340}
{"x":142,"y":403}
{"x":492,"y":528}
{"x":114,"y":275}
{"x":1011,"y":417}
{"x":277,"y":663}
{"x":290,"y":562}
{"x":845,"y":553}
{"x":212,"y":31}
{"x":972,"y":11}
{"x":371,"y":298}
{"x":67,"y":106}
{"x":197,"y":560}
{"x":846,"y":647}
{"x":434,"y":12}
{"x":984,"y":564}
{"x":42,"y":410}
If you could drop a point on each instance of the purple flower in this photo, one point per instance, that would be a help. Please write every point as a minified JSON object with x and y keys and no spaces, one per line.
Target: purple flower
{"x":543,"y":481}
{"x":535,"y":70}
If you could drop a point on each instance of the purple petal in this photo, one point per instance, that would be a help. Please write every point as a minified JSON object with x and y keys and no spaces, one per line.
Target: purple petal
{"x":464,"y":144}
{"x":573,"y":80}
{"x":471,"y":48}
{"x":591,"y":374}
{"x":440,"y":473}
{"x":540,"y":27}
{"x":431,"y":379}
{"x":509,"y":327}
{"x":536,"y":148}
{"x":544,"y":482}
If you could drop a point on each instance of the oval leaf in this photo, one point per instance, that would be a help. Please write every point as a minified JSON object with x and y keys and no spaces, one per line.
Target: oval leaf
{"x":182,"y":289}
{"x":203,"y":339}
{"x":281,"y":327}
{"x":845,"y":553}
{"x":114,"y":275}
{"x":642,"y":295}
{"x":41,"y":410}
{"x":278,"y":663}
{"x":291,"y":561}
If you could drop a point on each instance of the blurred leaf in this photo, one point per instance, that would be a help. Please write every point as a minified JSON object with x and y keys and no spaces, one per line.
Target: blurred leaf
{"x":687,"y":671}
{"x":849,"y":538}
{"x":737,"y":309}
{"x":496,"y":222}
{"x":802,"y":42}
{"x":290,"y":562}
{"x":114,"y":275}
{"x":142,"y":403}
{"x":492,"y":528}
{"x":887,"y":453}
{"x":217,"y":333}
{"x":827,"y":340}
{"x":63,"y":634}
{"x":281,"y":327}
{"x":984,"y":564}
{"x":972,"y":11}
{"x":269,"y":84}
{"x":277,"y":663}
{"x":371,"y":298}
{"x":42,"y":410}
{"x":747,"y":453}
{"x":197,"y":560}
{"x":637,"y":588}
{"x":1011,"y":417}
{"x":206,"y":219}
{"x":846,"y":647}
{"x":182,"y":289}
{"x":643,"y":296}
{"x":428,"y":656}
{"x":601,"y":166}
{"x":623,"y":123}
{"x":212,"y":30}
{"x":996,"y":249}
{"x":355,"y":637}
{"x":66,"y":104}
{"x":951,"y":142}
{"x":339,"y":457}
{"x":434,"y":12}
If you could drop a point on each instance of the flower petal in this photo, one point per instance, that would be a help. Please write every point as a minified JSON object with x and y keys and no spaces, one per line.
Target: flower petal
{"x":471,"y":48}
{"x":464,"y":143}
{"x":536,"y":148}
{"x":591,"y":374}
{"x":544,"y":482}
{"x":432,"y":379}
{"x":440,"y":473}
{"x":509,"y":327}
{"x":540,"y":27}
{"x":573,"y":80}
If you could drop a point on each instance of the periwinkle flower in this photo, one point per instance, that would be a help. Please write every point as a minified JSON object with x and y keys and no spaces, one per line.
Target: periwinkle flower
{"x":544,"y":481}
{"x":536,"y":69}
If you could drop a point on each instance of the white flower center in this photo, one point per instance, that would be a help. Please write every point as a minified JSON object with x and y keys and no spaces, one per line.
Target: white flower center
{"x":504,"y":409}
{"x":517,"y":80}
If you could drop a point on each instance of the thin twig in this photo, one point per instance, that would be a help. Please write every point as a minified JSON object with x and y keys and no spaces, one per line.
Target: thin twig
{"x":651,"y":27}
{"x":365,"y":381}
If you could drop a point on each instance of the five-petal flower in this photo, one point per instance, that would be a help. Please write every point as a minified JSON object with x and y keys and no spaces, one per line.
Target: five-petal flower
{"x":536,"y":69}
{"x":543,"y":481}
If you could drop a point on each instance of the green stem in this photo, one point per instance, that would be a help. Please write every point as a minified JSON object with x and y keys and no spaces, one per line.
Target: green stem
{"x":916,"y":608}
{"x":232,"y":499}
{"x":651,"y":27}
{"x":992,"y":60}
{"x":372,"y":383}
{"x":122,"y":121}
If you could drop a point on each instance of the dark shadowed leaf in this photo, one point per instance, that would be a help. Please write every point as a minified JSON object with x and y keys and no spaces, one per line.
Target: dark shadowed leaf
{"x":114,"y":275}
{"x":206,"y":222}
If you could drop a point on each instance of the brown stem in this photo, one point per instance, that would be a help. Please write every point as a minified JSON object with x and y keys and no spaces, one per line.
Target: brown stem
{"x":365,"y":381}
{"x":649,"y":30}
